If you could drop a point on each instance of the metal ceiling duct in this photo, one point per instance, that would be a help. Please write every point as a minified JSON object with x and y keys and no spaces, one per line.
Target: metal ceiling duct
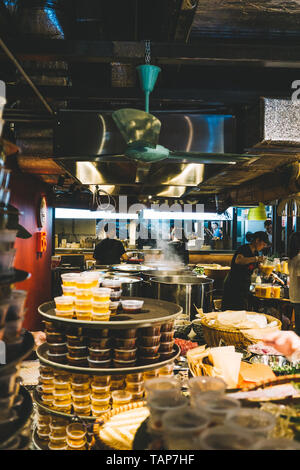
{"x":40,"y":18}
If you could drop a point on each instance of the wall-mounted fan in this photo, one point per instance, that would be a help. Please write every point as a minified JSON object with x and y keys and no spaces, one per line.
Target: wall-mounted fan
{"x":141,"y":130}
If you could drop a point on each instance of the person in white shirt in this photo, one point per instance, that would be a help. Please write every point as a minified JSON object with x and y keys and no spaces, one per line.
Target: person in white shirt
{"x":294,"y":273}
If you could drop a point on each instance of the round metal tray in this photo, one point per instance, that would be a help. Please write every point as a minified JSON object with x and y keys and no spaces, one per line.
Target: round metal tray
{"x":70,"y":416}
{"x":38,"y":443}
{"x":24,"y":411}
{"x":153,"y":311}
{"x":42,"y":355}
{"x":23,"y":350}
{"x":132,"y":268}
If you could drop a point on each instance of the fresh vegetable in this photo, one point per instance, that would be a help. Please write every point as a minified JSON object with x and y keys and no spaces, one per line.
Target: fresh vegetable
{"x":199,"y":270}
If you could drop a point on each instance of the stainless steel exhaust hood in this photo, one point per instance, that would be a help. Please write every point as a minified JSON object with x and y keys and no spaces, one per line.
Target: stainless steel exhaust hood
{"x":89,"y":146}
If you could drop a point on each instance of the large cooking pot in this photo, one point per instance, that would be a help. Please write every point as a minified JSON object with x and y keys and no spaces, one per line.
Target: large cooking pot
{"x":147,"y":285}
{"x":184,"y":290}
{"x":131,"y":286}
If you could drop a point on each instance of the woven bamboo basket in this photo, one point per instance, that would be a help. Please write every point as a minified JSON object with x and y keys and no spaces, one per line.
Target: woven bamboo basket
{"x":105,"y":418}
{"x":214,"y":335}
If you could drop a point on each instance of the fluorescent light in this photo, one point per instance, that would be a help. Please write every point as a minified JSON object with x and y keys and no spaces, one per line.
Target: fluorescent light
{"x":86,"y":214}
{"x":161,"y":215}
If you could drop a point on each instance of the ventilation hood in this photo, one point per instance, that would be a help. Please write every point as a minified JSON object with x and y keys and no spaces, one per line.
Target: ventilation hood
{"x":90,"y":147}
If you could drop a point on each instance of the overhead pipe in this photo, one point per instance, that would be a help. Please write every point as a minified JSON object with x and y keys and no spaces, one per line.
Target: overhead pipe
{"x":267,"y":188}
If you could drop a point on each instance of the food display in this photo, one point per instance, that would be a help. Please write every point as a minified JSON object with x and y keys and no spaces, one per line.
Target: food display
{"x":185,"y":345}
{"x":89,"y":369}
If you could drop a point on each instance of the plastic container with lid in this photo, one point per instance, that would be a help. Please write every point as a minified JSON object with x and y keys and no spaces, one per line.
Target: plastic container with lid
{"x":135,"y":378}
{"x":82,"y":410}
{"x":6,"y":261}
{"x":122,"y":364}
{"x":101,"y":294}
{"x":77,"y":351}
{"x":113,"y":307}
{"x":99,"y":364}
{"x":100,"y":390}
{"x":132,"y":306}
{"x":169,"y":326}
{"x":152,"y":331}
{"x":77,"y":361}
{"x":166,"y":347}
{"x":167,"y":336}
{"x":148,"y":351}
{"x":135,"y":387}
{"x":114,"y":284}
{"x":115,"y":295}
{"x":200,"y":385}
{"x":124,"y":343}
{"x":251,"y":420}
{"x":57,"y":348}
{"x":69,"y":291}
{"x":120,"y":397}
{"x":83,"y":305}
{"x":161,"y":386}
{"x":125,"y":355}
{"x":16,"y":305}
{"x":76,"y":340}
{"x":64,"y":314}
{"x":216,"y":406}
{"x":100,"y":343}
{"x":83,"y":282}
{"x":182,"y":427}
{"x":81,"y":398}
{"x":98,"y":412}
{"x":225,"y":438}
{"x":126,"y":333}
{"x":52,"y":337}
{"x":100,"y":316}
{"x":83,"y":315}
{"x":60,"y":358}
{"x":160,"y":404}
{"x":102,"y":380}
{"x":99,"y":354}
{"x":100,"y":307}
{"x":149,"y":341}
{"x":64,"y":303}
{"x":69,"y":279}
{"x":83,"y":294}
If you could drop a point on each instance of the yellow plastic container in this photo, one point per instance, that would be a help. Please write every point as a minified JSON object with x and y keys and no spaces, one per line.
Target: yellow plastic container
{"x":100,"y":307}
{"x":276,"y":292}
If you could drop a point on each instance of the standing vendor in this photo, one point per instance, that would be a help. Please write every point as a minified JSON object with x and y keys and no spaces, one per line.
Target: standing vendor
{"x":244,"y":261}
{"x":109,"y":250}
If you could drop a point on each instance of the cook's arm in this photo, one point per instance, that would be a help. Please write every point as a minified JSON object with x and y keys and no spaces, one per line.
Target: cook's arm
{"x":243,"y":260}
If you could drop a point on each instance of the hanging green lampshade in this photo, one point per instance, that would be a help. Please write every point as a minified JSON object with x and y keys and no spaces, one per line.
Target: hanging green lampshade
{"x":257,"y":213}
{"x":148,"y":76}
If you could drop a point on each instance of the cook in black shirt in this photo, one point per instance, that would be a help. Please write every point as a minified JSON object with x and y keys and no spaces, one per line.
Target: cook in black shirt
{"x":244,"y":261}
{"x":109,"y":250}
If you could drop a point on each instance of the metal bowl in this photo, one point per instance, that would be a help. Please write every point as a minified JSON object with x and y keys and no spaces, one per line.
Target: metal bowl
{"x":270,"y":360}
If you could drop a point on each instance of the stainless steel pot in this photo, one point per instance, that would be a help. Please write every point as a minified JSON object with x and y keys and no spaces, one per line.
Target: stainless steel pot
{"x":147,"y":285}
{"x":184,"y":290}
{"x":131,"y":286}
